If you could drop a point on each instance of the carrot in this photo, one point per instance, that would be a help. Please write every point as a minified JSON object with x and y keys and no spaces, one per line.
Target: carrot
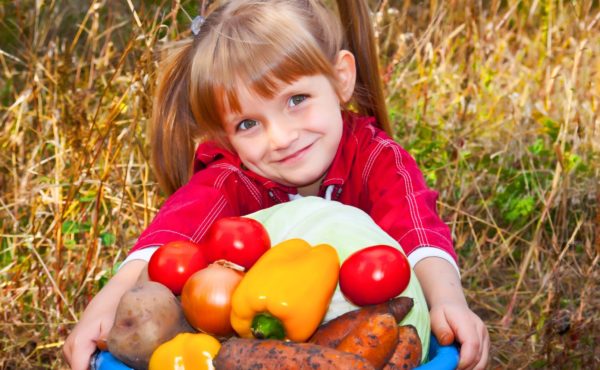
{"x":332,"y":333}
{"x":240,"y":354}
{"x":374,"y":339}
{"x":407,"y":354}
{"x":102,"y":344}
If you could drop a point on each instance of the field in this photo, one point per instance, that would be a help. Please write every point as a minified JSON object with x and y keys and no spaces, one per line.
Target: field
{"x":497,"y":100}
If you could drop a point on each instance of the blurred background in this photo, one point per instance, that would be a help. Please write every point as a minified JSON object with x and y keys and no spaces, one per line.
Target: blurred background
{"x":497,"y":100}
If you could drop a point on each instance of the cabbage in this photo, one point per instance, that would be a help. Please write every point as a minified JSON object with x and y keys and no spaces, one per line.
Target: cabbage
{"x":347,"y":229}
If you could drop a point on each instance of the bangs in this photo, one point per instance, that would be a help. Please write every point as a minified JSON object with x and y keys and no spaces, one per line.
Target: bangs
{"x":254,"y":52}
{"x":263,"y":69}
{"x":264,"y":65}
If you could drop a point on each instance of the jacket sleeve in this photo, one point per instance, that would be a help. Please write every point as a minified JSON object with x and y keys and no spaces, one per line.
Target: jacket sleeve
{"x":402,"y":204}
{"x":187,"y":214}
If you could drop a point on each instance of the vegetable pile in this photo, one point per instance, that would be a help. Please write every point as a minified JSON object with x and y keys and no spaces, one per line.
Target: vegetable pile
{"x":244,"y":304}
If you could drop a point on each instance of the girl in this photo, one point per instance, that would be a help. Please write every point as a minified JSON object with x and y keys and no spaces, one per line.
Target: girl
{"x":265,"y":86}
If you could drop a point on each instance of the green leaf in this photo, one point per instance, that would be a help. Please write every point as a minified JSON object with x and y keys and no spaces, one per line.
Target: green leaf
{"x":104,"y":276}
{"x":87,"y":198}
{"x":431,"y":178}
{"x":70,"y":227}
{"x":108,"y":239}
{"x":6,"y":255}
{"x":102,"y":281}
{"x":70,"y":243}
{"x":573,"y":162}
{"x":520,"y":208}
{"x":551,"y":127}
{"x":538,"y":147}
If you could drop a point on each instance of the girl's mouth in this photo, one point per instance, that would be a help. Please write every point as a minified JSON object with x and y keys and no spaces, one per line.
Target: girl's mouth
{"x":296,"y":155}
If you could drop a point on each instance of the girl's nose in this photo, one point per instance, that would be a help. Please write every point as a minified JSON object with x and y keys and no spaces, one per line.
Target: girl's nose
{"x":282,"y":134}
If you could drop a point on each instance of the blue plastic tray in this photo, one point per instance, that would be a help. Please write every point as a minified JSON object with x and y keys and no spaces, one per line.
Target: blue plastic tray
{"x":441,"y":358}
{"x":104,"y":360}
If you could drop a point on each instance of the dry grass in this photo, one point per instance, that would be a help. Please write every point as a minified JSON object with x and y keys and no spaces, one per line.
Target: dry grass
{"x":497,"y":100}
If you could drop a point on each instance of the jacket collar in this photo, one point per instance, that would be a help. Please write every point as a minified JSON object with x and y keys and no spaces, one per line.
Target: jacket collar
{"x":211,"y":153}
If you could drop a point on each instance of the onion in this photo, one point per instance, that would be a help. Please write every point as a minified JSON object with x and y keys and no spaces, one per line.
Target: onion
{"x":206,"y":297}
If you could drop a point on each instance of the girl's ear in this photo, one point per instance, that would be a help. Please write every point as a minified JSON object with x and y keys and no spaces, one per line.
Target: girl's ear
{"x":345,"y":69}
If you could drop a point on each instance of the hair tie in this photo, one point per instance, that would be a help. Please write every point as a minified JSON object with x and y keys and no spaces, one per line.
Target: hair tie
{"x":196,"y":25}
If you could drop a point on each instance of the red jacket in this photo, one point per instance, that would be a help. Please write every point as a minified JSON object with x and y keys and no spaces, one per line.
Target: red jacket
{"x":370,"y":171}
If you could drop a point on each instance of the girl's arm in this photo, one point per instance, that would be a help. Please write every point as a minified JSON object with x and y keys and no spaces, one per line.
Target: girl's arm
{"x":98,"y":317}
{"x":451,"y":318}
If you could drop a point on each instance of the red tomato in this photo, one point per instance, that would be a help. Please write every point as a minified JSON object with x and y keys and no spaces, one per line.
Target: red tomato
{"x":374,"y":275}
{"x":173,"y":263}
{"x":239,"y":240}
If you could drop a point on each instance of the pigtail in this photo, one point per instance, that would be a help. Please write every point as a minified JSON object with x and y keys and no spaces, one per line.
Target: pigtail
{"x":360,"y":40}
{"x":172,"y":127}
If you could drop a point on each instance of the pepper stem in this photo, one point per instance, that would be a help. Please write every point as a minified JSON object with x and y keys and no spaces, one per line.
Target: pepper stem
{"x":267,"y":326}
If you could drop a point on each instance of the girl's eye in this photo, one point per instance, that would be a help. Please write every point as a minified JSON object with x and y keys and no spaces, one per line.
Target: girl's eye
{"x":296,"y":99}
{"x":246,"y":124}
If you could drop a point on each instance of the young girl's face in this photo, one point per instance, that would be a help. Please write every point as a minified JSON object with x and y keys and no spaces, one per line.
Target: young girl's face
{"x":291,"y":138}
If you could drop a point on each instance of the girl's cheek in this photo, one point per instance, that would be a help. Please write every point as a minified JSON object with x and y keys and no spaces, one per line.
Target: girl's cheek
{"x":252,"y":149}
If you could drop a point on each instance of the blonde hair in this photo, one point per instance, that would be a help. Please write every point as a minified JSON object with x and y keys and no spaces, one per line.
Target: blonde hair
{"x":260,"y":43}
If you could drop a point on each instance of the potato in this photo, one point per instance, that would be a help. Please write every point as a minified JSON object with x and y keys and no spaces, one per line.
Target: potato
{"x":147,"y":316}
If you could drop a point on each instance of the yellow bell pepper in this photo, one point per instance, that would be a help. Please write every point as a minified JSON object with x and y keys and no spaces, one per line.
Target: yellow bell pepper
{"x":285,"y":295}
{"x":186,"y":351}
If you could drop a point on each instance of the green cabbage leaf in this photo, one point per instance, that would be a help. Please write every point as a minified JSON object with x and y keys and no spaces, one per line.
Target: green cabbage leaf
{"x":347,"y":229}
